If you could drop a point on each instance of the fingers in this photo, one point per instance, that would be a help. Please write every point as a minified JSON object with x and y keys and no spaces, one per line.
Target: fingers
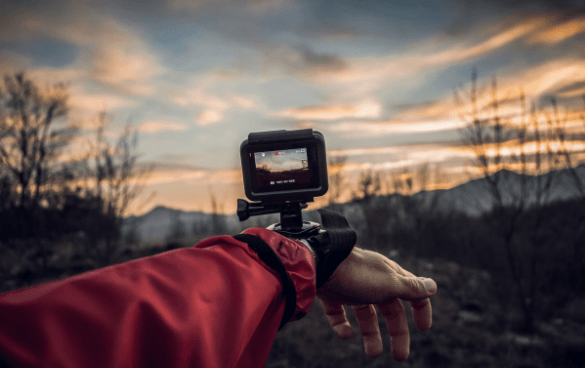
{"x":368,"y":321}
{"x":397,"y":328}
{"x":337,"y":319}
{"x":422,"y":313}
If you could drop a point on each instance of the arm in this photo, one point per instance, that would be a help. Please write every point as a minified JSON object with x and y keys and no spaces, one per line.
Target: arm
{"x":213,"y":305}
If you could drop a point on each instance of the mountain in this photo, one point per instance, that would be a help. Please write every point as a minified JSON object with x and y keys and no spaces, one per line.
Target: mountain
{"x":156,"y":225}
{"x":472,"y":198}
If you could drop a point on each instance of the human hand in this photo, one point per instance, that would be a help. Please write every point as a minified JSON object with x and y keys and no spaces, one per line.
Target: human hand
{"x":366,"y":278}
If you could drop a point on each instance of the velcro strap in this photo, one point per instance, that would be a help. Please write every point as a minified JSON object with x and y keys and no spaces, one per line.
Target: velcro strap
{"x":272,"y":260}
{"x":334,"y":245}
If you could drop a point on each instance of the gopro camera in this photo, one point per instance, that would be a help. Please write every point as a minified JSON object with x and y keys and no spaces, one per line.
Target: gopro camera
{"x":281,"y":166}
{"x":283,"y":170}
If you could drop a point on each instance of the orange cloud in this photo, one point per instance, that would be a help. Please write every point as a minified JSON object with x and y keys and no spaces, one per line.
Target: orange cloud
{"x":168,"y":173}
{"x":572,"y":93}
{"x":115,"y":53}
{"x":497,"y":41}
{"x":413,"y":154}
{"x":198,"y":95}
{"x":90,"y":104}
{"x":207,"y":117}
{"x":245,"y":102}
{"x":395,"y":126}
{"x":368,"y":74}
{"x":559,"y":33}
{"x":159,"y":126}
{"x":173,"y":173}
{"x":128,"y":71}
{"x":333,"y":112}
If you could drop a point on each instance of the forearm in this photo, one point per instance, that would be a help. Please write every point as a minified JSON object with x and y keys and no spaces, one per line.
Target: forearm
{"x":214,"y":305}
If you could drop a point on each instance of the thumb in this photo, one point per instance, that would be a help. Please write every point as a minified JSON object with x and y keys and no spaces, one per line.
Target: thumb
{"x":415,"y":288}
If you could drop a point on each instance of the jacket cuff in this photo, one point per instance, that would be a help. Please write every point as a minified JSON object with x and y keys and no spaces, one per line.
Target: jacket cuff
{"x":299,"y":264}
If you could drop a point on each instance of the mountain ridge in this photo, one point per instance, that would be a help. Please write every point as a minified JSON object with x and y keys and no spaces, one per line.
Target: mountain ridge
{"x":472,"y":198}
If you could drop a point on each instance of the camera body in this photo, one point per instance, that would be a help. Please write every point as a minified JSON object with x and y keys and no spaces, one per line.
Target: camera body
{"x":284,"y":166}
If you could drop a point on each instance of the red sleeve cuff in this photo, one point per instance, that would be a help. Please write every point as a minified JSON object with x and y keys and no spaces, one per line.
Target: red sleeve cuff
{"x":298,"y":262}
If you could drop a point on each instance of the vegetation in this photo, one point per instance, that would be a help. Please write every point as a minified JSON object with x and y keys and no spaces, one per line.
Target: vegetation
{"x":56,"y":202}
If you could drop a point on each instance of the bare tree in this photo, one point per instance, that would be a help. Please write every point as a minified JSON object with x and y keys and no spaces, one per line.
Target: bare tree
{"x":487,"y":135}
{"x":369,"y":184}
{"x":218,"y":223}
{"x":33,"y":133}
{"x":572,"y":161}
{"x":117,"y":181}
{"x":337,"y":179}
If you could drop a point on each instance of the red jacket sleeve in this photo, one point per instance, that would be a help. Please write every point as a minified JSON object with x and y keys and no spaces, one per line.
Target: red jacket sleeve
{"x":214,"y":305}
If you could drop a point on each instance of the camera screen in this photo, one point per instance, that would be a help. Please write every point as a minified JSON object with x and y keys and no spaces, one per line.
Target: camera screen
{"x":281,"y":169}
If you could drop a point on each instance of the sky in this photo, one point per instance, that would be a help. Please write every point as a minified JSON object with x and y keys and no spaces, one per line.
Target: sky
{"x":377,"y":78}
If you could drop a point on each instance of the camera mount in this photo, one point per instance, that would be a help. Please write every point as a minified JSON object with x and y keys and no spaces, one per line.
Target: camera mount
{"x":291,"y":222}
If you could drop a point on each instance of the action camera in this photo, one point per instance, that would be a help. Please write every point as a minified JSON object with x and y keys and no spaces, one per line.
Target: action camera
{"x":283,"y":166}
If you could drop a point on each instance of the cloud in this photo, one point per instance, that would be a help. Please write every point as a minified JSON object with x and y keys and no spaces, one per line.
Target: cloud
{"x":576,"y":89}
{"x":560,"y":32}
{"x":111,"y":52}
{"x":11,"y":62}
{"x":461,"y":53}
{"x":198,"y":94}
{"x":245,"y":102}
{"x":367,"y":109}
{"x":208,"y":117}
{"x":160,"y":126}
{"x":447,"y":155}
{"x":223,"y":5}
{"x":364,"y":75}
{"x":302,"y":61}
{"x":468,"y":14}
{"x":549,"y":77}
{"x":201,"y":98}
{"x":364,"y":129}
{"x":169,"y":173}
{"x":89,"y":104}
{"x":124,"y":70}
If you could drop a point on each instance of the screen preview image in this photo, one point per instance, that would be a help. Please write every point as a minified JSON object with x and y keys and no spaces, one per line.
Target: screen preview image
{"x":282,"y":167}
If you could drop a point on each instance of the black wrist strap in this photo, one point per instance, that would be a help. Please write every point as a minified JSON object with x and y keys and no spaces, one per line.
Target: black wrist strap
{"x":332,"y":246}
{"x":272,"y":260}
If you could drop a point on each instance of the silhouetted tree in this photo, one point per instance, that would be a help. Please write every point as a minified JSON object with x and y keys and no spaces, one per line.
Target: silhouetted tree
{"x":218,"y":223}
{"x":337,"y":180}
{"x":500,"y":145}
{"x":33,"y":133}
{"x":115,"y":180}
{"x":369,"y":184}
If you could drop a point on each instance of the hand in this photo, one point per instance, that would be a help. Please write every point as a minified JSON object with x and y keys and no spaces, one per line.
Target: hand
{"x":365,"y":278}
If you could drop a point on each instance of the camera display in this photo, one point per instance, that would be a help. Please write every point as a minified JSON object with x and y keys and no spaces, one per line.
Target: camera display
{"x":280,"y":166}
{"x":285,"y":167}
